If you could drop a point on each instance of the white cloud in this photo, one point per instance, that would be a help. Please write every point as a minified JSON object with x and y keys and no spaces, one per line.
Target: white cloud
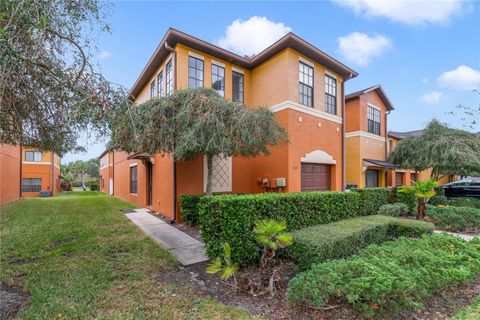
{"x":248,"y":37}
{"x":407,"y":11}
{"x":432,"y":97}
{"x":360,"y":48}
{"x":461,"y":78}
{"x":104,"y":55}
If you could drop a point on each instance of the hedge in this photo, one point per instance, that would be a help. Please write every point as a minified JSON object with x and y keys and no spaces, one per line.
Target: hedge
{"x":438,"y":200}
{"x":230,"y":218}
{"x":371,"y":199}
{"x":188,"y":208}
{"x":454,"y":218}
{"x":344,"y":238}
{"x":409,"y":198}
{"x":389,"y":277}
{"x":394,"y":210}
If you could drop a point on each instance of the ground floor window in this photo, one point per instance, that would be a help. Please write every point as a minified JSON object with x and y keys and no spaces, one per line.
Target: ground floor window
{"x":133,"y":179}
{"x":371,"y":178}
{"x":221,"y":175}
{"x":31,"y":185}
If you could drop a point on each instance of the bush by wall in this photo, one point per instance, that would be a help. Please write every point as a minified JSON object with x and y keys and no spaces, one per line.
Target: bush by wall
{"x":94,"y":186}
{"x":387,"y":277}
{"x":371,"y":199}
{"x":230,"y":218}
{"x":189,"y":208}
{"x":438,"y":200}
{"x":344,"y":238}
{"x":455,"y":218}
{"x":394,"y":210}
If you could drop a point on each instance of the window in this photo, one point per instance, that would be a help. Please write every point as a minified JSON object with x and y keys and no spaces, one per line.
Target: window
{"x":31,"y":185}
{"x":373,"y":120}
{"x":195,"y":73}
{"x":160,"y":84}
{"x":152,"y":89}
{"x":169,"y":78}
{"x":221,"y":174}
{"x":330,"y":94}
{"x":390,"y":145}
{"x":305,"y":84}
{"x":238,"y":87}
{"x":33,"y":156}
{"x":218,"y":79}
{"x":133,"y":179}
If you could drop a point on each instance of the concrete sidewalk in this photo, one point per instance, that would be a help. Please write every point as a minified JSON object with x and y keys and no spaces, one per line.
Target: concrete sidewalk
{"x":465,"y":237}
{"x":184,"y":248}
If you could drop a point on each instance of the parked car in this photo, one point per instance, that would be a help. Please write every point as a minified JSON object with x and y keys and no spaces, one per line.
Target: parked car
{"x":462,"y":188}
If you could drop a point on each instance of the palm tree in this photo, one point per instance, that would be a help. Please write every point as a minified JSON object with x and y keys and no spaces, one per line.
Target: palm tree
{"x":423,"y":190}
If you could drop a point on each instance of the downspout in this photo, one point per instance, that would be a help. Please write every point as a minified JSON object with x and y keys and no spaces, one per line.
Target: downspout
{"x":21,"y":166}
{"x":174,"y":163}
{"x":344,"y":116}
{"x":386,"y":148}
{"x":53,"y":173}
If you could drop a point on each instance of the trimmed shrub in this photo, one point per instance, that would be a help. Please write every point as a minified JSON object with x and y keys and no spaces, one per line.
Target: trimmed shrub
{"x":371,"y":199}
{"x":439,"y":190}
{"x":344,"y":238}
{"x":389,"y":277}
{"x":465,"y":202}
{"x":94,"y":186}
{"x":189,"y":208}
{"x":455,"y":218}
{"x":394,"y":209}
{"x":230,"y":218}
{"x":409,"y":199}
{"x":438,"y":201}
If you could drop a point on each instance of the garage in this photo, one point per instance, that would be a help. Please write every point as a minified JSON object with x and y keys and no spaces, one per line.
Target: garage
{"x":316,"y":177}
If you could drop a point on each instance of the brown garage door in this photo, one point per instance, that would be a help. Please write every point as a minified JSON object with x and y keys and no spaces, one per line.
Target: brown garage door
{"x":315,"y":177}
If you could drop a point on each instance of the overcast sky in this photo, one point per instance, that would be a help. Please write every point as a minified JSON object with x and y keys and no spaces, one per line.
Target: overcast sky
{"x":426,"y":54}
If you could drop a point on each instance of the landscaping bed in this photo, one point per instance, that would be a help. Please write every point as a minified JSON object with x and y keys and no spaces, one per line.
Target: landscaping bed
{"x":346,"y":237}
{"x":393,"y":276}
{"x":456,"y":219}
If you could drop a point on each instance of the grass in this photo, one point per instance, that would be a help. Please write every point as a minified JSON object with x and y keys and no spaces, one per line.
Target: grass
{"x":465,"y":202}
{"x":469,"y":313}
{"x":79,"y":257}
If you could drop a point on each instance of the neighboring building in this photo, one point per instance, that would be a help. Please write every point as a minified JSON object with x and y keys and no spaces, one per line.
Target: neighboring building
{"x":394,"y":138}
{"x":366,"y":140}
{"x":106,"y":172}
{"x":301,"y":84}
{"x":40,"y":172}
{"x":10,"y":171}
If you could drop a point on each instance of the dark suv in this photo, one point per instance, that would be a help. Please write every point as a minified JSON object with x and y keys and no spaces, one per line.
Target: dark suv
{"x":462,"y":188}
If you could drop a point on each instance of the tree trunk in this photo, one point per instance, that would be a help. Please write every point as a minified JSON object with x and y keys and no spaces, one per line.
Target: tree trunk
{"x":421,"y":208}
{"x":209,"y":174}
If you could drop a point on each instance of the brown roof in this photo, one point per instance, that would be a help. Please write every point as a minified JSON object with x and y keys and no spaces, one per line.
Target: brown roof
{"x":290,"y":40}
{"x":381,"y":93}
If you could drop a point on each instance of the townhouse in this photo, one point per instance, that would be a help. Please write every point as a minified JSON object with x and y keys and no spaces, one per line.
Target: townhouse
{"x":25,"y":172}
{"x":300,"y":83}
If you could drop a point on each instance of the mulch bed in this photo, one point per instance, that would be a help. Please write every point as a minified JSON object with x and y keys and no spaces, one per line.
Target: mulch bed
{"x":12,"y":299}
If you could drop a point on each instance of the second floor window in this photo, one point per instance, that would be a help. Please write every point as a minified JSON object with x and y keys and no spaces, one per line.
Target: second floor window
{"x":133,"y":179}
{"x":305,"y":84}
{"x":160,"y":84}
{"x":330,"y":94}
{"x":237,"y":87}
{"x":218,"y":79}
{"x":152,"y":89}
{"x":33,"y":156}
{"x":169,"y":77}
{"x":373,"y":120}
{"x":195,"y":73}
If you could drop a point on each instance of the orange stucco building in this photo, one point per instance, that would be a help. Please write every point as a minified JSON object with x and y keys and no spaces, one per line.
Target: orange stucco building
{"x":25,"y":171}
{"x":10,"y":171}
{"x":40,"y":172}
{"x":302,"y":85}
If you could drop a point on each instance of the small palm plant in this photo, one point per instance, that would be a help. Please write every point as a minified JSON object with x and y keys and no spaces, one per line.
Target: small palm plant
{"x":225,"y":266}
{"x":423,"y":190}
{"x":272,"y":235}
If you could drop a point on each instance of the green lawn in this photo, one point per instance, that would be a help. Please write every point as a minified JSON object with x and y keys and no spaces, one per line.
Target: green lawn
{"x":79,"y":257}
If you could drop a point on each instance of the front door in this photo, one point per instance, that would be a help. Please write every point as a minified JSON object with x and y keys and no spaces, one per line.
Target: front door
{"x":371,"y":178}
{"x":149,"y":183}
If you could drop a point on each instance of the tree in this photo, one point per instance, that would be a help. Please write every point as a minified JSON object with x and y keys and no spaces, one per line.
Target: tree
{"x":194,"y":122}
{"x":50,"y":90}
{"x":445,"y":150}
{"x":423,"y":190}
